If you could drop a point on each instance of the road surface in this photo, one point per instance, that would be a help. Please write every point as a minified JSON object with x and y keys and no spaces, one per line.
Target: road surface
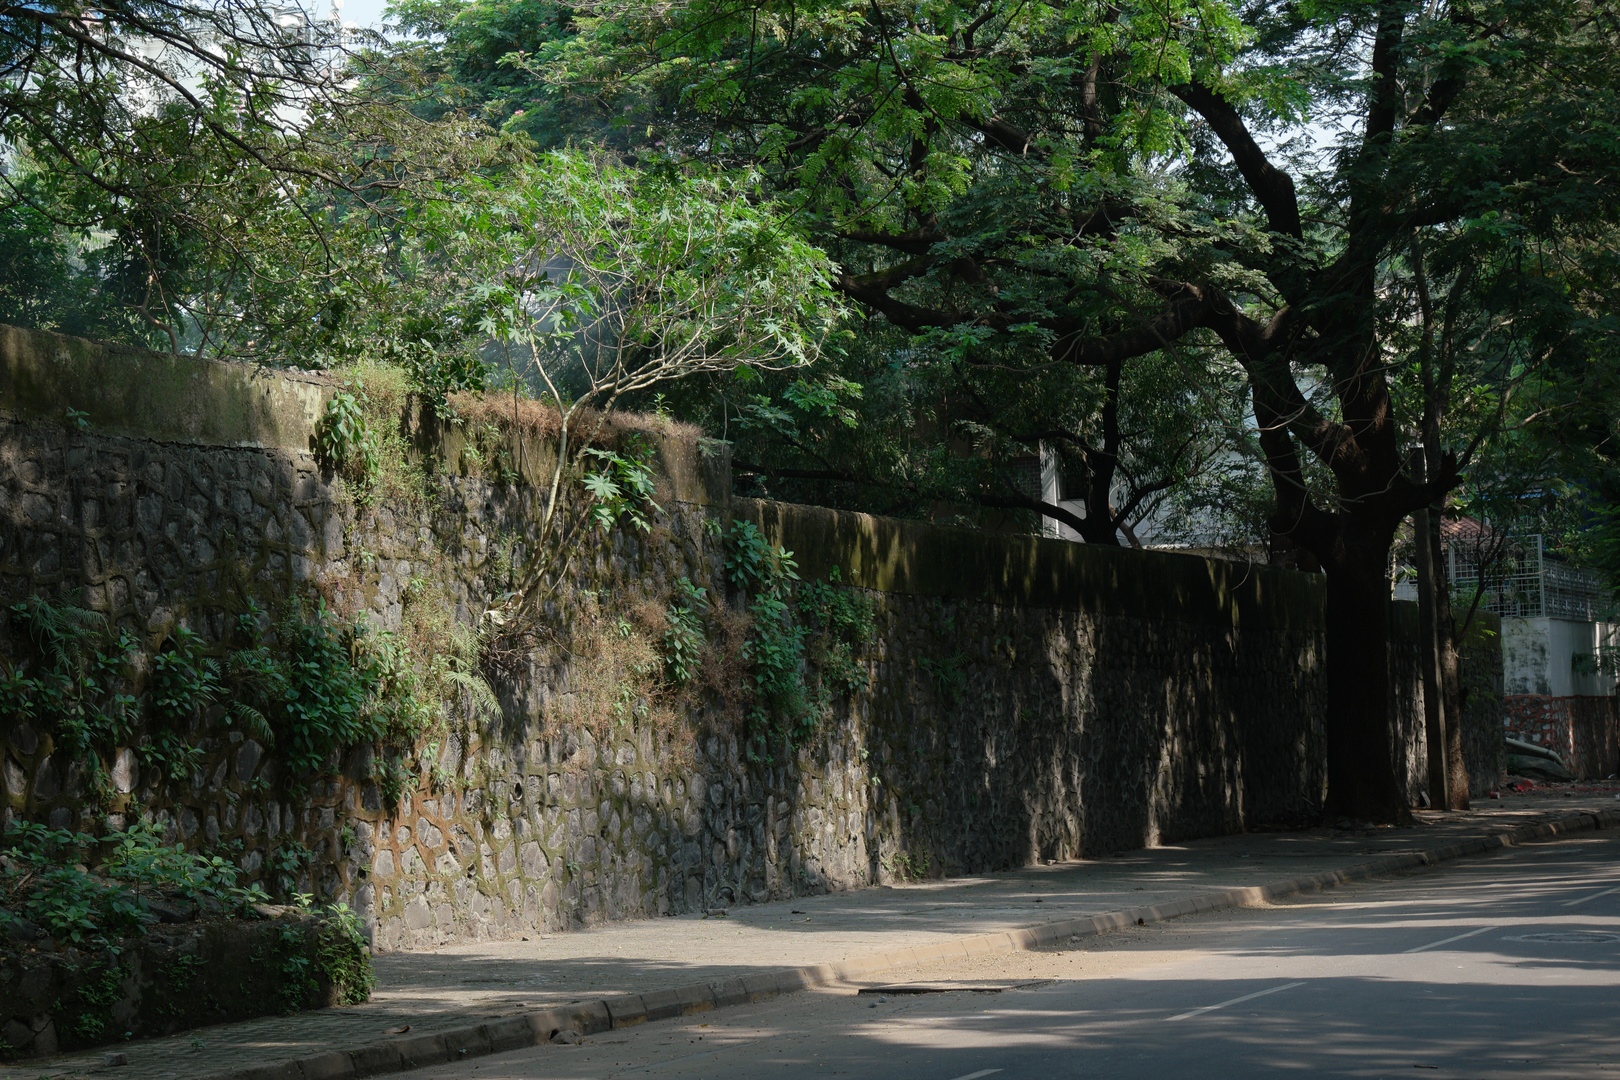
{"x":1506,"y":966}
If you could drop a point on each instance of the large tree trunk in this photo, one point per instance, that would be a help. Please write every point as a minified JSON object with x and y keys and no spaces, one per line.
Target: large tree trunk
{"x":1450,"y":680}
{"x":1436,"y":716}
{"x":1361,"y":773}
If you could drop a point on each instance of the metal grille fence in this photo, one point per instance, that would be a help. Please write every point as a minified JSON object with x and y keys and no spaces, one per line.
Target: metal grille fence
{"x":1520,"y":578}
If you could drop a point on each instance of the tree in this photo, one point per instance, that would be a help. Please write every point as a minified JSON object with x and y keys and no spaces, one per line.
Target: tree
{"x":599,"y":282}
{"x":875,"y":428}
{"x":193,"y":164}
{"x":1087,"y":184}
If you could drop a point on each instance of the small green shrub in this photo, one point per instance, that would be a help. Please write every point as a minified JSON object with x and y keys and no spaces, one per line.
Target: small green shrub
{"x":73,"y":685}
{"x":83,"y":1015}
{"x":911,"y":866}
{"x":756,"y":565}
{"x":842,"y":620}
{"x":683,"y":637}
{"x":284,"y":865}
{"x":184,"y":679}
{"x":328,"y":686}
{"x":621,"y":485}
{"x":340,"y":958}
{"x":775,"y":649}
{"x":297,"y":985}
{"x":42,"y":880}
{"x":343,"y":956}
{"x":345,"y":442}
{"x":173,"y":756}
{"x":950,"y":676}
{"x":798,"y":651}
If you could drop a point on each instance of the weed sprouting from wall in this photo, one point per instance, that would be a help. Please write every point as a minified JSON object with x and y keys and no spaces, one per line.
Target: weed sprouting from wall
{"x":76,"y":683}
{"x":683,"y":632}
{"x":804,"y":642}
{"x":841,"y":621}
{"x":314,"y":688}
{"x":345,"y":441}
{"x":359,"y":438}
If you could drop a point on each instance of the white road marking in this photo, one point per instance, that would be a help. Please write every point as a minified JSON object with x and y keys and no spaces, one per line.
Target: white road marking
{"x":1449,"y":940}
{"x":1594,"y":896}
{"x":1237,"y":1000}
{"x":975,"y":1076}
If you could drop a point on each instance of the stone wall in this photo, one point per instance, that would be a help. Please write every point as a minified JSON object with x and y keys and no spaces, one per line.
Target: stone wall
{"x":1029,"y":699}
{"x":1481,"y":677}
{"x":174,"y":978}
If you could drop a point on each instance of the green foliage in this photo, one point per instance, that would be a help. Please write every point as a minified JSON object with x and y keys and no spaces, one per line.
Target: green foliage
{"x":344,"y":440}
{"x":797,"y":650}
{"x":621,"y":486}
{"x":392,"y":778}
{"x":296,"y":986}
{"x":467,"y":45}
{"x":285,"y":863}
{"x":73,"y":687}
{"x":83,"y":1015}
{"x":841,"y":622}
{"x":343,"y":957}
{"x":683,"y":637}
{"x":139,"y":858}
{"x":184,"y":679}
{"x":756,"y":565}
{"x":339,"y":958}
{"x":42,"y":879}
{"x":173,"y":756}
{"x":328,"y":686}
{"x":950,"y":676}
{"x":232,"y":200}
{"x":323,"y":687}
{"x":775,"y":652}
{"x":55,"y":276}
{"x":324,"y":696}
{"x":907,"y":866}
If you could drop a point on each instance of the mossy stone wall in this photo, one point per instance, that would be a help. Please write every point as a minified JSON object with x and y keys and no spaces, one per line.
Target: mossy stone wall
{"x":173,"y":978}
{"x":1029,"y":699}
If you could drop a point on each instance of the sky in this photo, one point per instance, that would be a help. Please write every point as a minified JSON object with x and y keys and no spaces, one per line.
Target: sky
{"x":367,"y":13}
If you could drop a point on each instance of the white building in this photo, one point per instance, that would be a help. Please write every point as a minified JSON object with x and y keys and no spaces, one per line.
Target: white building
{"x":1560,"y":643}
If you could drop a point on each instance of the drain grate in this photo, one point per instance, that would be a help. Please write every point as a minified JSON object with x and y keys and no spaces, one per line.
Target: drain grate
{"x":1569,"y":937}
{"x":926,"y":988}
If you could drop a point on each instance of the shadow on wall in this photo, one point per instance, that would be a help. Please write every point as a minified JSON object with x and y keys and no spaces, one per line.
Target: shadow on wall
{"x":1481,"y":677}
{"x":1029,"y":699}
{"x":1035,"y":699}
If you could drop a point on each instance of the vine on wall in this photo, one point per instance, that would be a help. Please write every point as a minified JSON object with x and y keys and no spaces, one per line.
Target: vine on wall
{"x":803,"y":644}
{"x":312,"y":687}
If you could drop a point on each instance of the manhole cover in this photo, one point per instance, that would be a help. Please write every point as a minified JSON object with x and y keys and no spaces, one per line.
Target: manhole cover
{"x":953,"y":988}
{"x":1570,"y":937}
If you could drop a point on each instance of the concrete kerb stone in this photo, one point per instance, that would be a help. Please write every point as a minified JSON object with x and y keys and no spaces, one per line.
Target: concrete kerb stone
{"x":626,"y":1010}
{"x":660,"y":1004}
{"x":388,"y":1057}
{"x":759,"y":987}
{"x":334,"y":1065}
{"x":531,"y":1029}
{"x":728,"y":992}
{"x":509,"y":1033}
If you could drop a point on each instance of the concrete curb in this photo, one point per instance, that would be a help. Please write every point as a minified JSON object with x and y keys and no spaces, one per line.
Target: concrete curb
{"x":537,"y":1027}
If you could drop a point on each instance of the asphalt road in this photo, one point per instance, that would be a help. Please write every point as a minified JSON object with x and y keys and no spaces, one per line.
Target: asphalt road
{"x":1507,"y":966}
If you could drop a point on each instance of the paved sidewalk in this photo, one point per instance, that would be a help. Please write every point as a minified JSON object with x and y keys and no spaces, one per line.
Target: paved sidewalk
{"x":443,"y":995}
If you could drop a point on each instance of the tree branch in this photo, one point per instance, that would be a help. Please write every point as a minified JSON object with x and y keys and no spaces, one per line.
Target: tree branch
{"x":1273,"y":188}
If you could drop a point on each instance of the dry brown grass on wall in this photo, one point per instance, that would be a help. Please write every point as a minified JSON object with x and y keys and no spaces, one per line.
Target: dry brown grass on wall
{"x":542,"y":420}
{"x":614,"y":652}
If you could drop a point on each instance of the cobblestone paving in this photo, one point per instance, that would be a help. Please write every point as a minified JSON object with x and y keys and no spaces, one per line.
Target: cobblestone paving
{"x":431,"y":990}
